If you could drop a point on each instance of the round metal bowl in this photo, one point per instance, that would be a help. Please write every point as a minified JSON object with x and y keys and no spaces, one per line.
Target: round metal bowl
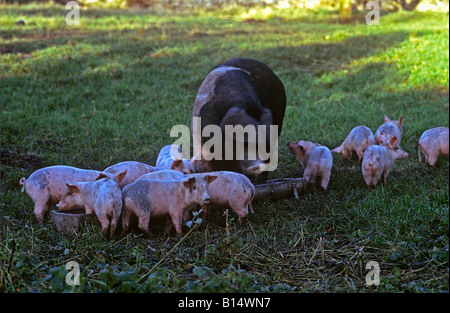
{"x":71,"y":221}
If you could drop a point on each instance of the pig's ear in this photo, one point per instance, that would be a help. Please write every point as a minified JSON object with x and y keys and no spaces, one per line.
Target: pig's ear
{"x":189,"y":182}
{"x":386,"y":119}
{"x":400,"y":122}
{"x":393,"y":142}
{"x":301,"y":144}
{"x":73,"y":188}
{"x":210,"y":178}
{"x":100,"y":176}
{"x":121,"y":176}
{"x":337,"y":150}
{"x":177,"y":165}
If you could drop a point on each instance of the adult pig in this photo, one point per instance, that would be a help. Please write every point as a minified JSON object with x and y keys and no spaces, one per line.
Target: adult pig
{"x":238,"y":92}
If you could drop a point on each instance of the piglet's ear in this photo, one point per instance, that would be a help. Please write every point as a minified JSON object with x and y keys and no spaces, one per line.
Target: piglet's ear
{"x":189,"y":182}
{"x":337,"y":150}
{"x":100,"y":176}
{"x":301,"y":144}
{"x":386,"y":119}
{"x":400,"y":122}
{"x":177,"y":165}
{"x":119,"y":177}
{"x":393,"y":142}
{"x":210,"y":178}
{"x":73,"y":188}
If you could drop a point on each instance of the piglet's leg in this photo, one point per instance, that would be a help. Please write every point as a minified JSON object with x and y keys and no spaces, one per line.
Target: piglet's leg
{"x":113,"y":226}
{"x":324,"y":181}
{"x":169,"y":226}
{"x":385,"y":175}
{"x":125,"y":221}
{"x":176,"y":220}
{"x":40,"y":210}
{"x":432,"y":158}
{"x":143,"y":224}
{"x":104,"y":221}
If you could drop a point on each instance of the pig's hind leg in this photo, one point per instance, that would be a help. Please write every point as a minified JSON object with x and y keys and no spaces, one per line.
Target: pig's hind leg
{"x":41,"y":206}
{"x":360,"y":153}
{"x":431,"y":157}
{"x":126,"y":217}
{"x":104,"y":221}
{"x":144,"y":220}
{"x":309,"y":177}
{"x":325,"y":179}
{"x":113,"y":226}
{"x":177,"y":218}
{"x":40,"y":211}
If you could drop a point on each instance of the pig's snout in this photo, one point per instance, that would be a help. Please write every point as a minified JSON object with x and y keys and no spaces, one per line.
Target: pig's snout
{"x":206,"y":199}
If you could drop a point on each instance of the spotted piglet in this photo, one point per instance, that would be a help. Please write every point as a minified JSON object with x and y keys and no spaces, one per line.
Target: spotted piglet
{"x":102,"y":197}
{"x":432,"y":143}
{"x":388,"y":130}
{"x":145,"y":198}
{"x":357,"y":141}
{"x":134,"y":171}
{"x":164,"y":175}
{"x":173,"y":160}
{"x":316,"y":160}
{"x":378,"y":160}
{"x":232,"y":190}
{"x":47,"y":185}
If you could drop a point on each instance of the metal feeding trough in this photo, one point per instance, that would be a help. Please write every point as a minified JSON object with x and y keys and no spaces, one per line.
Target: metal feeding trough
{"x":71,"y":221}
{"x":279,"y":188}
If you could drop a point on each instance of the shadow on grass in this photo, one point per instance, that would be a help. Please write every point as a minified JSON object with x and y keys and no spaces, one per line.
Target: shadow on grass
{"x":319,"y":58}
{"x":314,"y":58}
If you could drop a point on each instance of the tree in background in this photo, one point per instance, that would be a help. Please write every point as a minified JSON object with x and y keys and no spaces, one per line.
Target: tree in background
{"x":408,"y":5}
{"x":345,"y":9}
{"x":341,"y":5}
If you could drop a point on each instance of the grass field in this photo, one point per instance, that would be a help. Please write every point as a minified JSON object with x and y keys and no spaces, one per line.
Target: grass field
{"x":111,"y":88}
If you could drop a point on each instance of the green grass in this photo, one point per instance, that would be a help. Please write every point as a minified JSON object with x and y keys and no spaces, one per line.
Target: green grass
{"x":110,"y":89}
